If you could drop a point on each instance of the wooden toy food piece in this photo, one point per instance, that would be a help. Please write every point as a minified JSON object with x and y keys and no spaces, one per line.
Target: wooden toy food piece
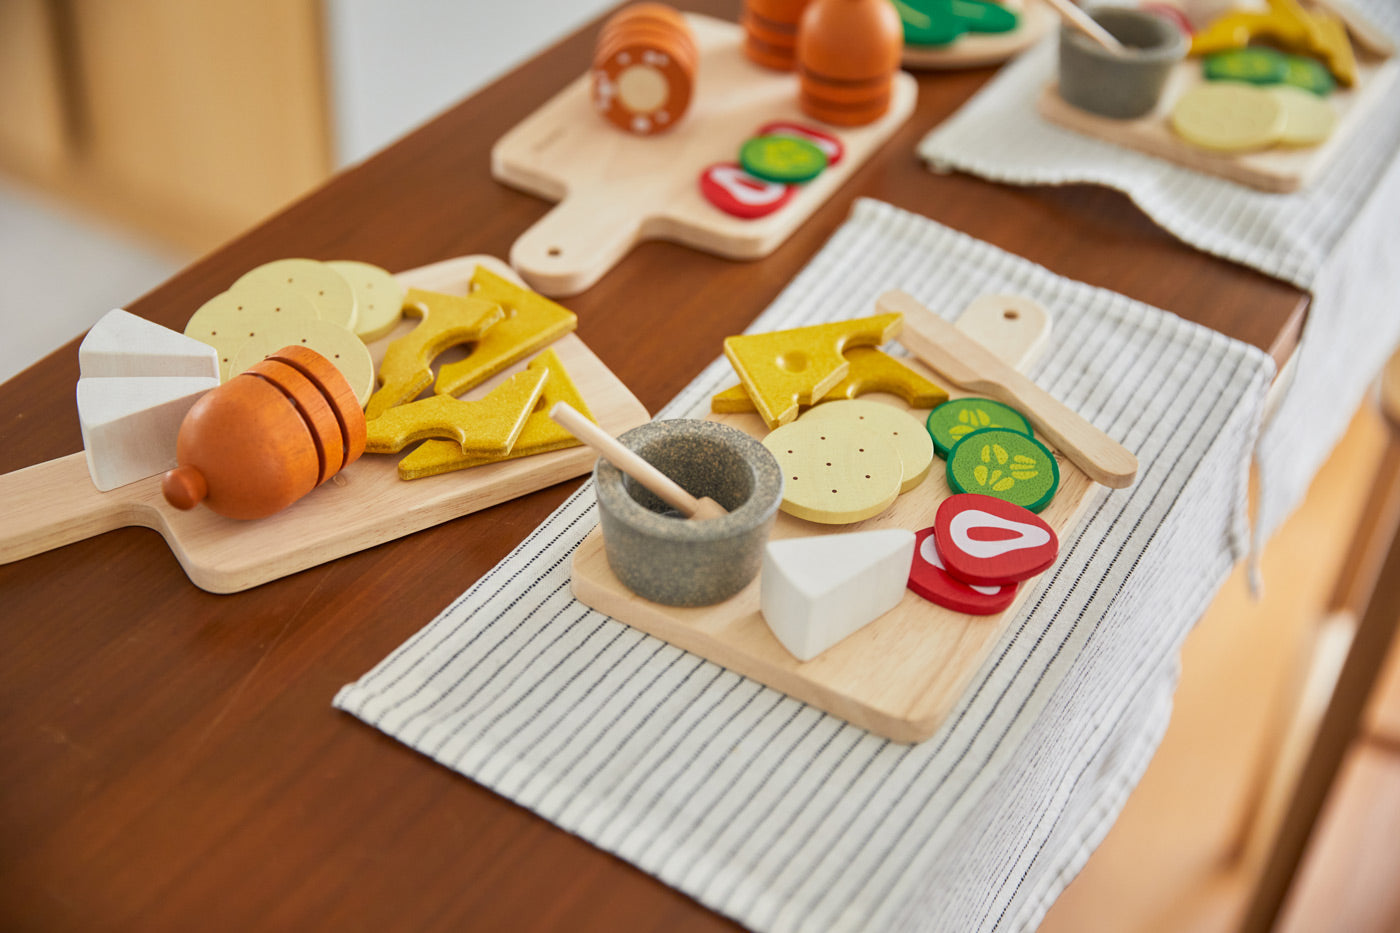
{"x":731,"y":189}
{"x":814,"y":592}
{"x":871,"y":370}
{"x":929,"y":578}
{"x":345,"y":351}
{"x":911,"y":442}
{"x":1227,"y":117}
{"x":531,"y":321}
{"x":122,"y":344}
{"x":378,"y":298}
{"x":1005,"y":464}
{"x":782,"y":370}
{"x":644,"y":68}
{"x":940,"y":22}
{"x":1288,"y":25}
{"x":783,"y":159}
{"x":950,"y":423}
{"x":129,"y":423}
{"x":326,"y":289}
{"x":847,"y":53}
{"x":1308,"y":119}
{"x":770,"y":31}
{"x":1254,"y":65}
{"x":485,"y":427}
{"x":226,"y":321}
{"x":828,"y":144}
{"x":540,"y":434}
{"x":835,"y":474}
{"x":985,"y":541}
{"x":251,"y":448}
{"x":447,"y":320}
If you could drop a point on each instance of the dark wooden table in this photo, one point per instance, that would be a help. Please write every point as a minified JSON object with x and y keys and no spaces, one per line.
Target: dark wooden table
{"x":169,"y":759}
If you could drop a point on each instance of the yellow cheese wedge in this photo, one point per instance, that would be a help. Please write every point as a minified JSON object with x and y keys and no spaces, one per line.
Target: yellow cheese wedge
{"x":447,"y":321}
{"x":871,"y":370}
{"x":1225,"y":116}
{"x":531,"y":321}
{"x":540,"y":434}
{"x":785,"y":369}
{"x":486,"y":427}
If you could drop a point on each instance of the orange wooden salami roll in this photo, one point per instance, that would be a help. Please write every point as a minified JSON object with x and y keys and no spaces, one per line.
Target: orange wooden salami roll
{"x":770,"y":32}
{"x":644,"y":68}
{"x":847,"y":54}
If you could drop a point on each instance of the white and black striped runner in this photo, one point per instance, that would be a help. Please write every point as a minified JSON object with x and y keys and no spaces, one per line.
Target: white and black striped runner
{"x":789,"y":819}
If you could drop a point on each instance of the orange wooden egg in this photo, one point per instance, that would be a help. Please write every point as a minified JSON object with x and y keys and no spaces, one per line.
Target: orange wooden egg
{"x":770,"y":32}
{"x":644,"y":68}
{"x":847,"y":53}
{"x":265,"y":438}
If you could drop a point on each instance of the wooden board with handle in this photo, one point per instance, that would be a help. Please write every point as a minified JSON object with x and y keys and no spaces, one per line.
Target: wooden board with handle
{"x":901,"y":675}
{"x":55,"y":503}
{"x":616,"y":190}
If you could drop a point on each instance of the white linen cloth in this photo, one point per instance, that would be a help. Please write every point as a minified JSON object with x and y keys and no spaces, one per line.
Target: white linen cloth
{"x":786,"y":818}
{"x":1338,"y":238}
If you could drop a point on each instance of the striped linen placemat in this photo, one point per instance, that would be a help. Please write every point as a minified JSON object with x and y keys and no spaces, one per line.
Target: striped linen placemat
{"x":1336,"y":238}
{"x":786,"y":818}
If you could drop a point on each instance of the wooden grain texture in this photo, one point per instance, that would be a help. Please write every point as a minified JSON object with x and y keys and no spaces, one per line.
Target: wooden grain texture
{"x":900,"y":675}
{"x":616,"y":189}
{"x":1279,"y":169}
{"x":169,"y":759}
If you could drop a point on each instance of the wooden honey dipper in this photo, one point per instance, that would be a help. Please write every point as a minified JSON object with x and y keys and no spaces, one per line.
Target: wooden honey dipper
{"x":267,"y":437}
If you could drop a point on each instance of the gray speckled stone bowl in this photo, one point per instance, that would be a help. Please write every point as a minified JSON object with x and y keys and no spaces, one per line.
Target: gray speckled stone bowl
{"x":668,"y":559}
{"x":1095,"y":79}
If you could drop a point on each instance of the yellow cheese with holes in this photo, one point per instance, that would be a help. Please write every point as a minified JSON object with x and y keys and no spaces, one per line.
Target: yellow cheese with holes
{"x":486,"y":427}
{"x":447,"y":321}
{"x":531,"y":322}
{"x":871,"y":370}
{"x":540,"y":434}
{"x":783,"y":370}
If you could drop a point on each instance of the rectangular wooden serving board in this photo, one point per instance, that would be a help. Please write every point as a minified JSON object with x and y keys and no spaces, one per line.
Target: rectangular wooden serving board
{"x":1279,"y":170}
{"x":615,"y":189}
{"x":55,"y":503}
{"x":899,"y":676}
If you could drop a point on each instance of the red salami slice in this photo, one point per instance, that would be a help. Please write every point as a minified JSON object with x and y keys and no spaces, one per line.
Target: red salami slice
{"x":824,"y":141}
{"x":731,"y":189}
{"x":929,"y":579}
{"x":989,"y":541}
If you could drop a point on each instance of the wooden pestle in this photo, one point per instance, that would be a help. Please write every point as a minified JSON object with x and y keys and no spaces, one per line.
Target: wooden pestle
{"x":611,"y":450}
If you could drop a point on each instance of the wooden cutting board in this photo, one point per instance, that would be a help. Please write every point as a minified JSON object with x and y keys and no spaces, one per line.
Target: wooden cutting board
{"x":978,"y":50}
{"x":901,"y":675}
{"x":55,"y":503}
{"x":1278,"y":170}
{"x":616,"y":190}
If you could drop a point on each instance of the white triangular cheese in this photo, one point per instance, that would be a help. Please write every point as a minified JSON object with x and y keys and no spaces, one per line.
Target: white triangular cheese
{"x":123,"y":345}
{"x":129,"y":424}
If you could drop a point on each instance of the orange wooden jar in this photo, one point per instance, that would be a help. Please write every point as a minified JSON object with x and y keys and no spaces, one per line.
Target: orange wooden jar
{"x":847,"y":54}
{"x":644,"y":68}
{"x":770,"y":32}
{"x":267,"y":437}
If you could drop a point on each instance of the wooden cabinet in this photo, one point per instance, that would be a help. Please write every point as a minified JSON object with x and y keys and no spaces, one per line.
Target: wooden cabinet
{"x":188,"y":121}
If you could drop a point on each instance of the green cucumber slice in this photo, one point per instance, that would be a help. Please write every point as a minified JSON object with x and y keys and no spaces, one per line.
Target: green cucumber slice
{"x":1308,"y":74}
{"x":783,"y":159}
{"x":1005,"y":464}
{"x":1255,"y":65}
{"x":952,"y":421}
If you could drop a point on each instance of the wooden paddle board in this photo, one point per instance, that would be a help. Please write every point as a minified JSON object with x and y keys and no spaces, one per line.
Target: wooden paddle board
{"x":55,"y":503}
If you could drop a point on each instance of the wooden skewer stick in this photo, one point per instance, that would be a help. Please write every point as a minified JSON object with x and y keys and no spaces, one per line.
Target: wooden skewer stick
{"x":966,"y":363}
{"x":608,"y":447}
{"x":1087,"y":25}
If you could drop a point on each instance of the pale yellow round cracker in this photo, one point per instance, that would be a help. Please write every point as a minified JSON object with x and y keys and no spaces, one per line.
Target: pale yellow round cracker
{"x":910,"y":439}
{"x":346,"y":352}
{"x":1308,"y":119}
{"x":325,"y":288}
{"x":378,"y":297}
{"x":229,"y":320}
{"x":835,"y":472}
{"x":1227,"y":116}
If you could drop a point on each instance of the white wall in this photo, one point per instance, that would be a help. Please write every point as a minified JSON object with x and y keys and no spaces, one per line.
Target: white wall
{"x":394,"y":65}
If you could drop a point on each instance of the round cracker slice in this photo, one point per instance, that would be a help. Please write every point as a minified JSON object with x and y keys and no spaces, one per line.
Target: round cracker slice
{"x":1225,"y":116}
{"x":229,"y":320}
{"x":378,"y":297}
{"x":324,"y":287}
{"x":908,"y":436}
{"x":1308,"y":119}
{"x":833,"y":472}
{"x":345,"y":351}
